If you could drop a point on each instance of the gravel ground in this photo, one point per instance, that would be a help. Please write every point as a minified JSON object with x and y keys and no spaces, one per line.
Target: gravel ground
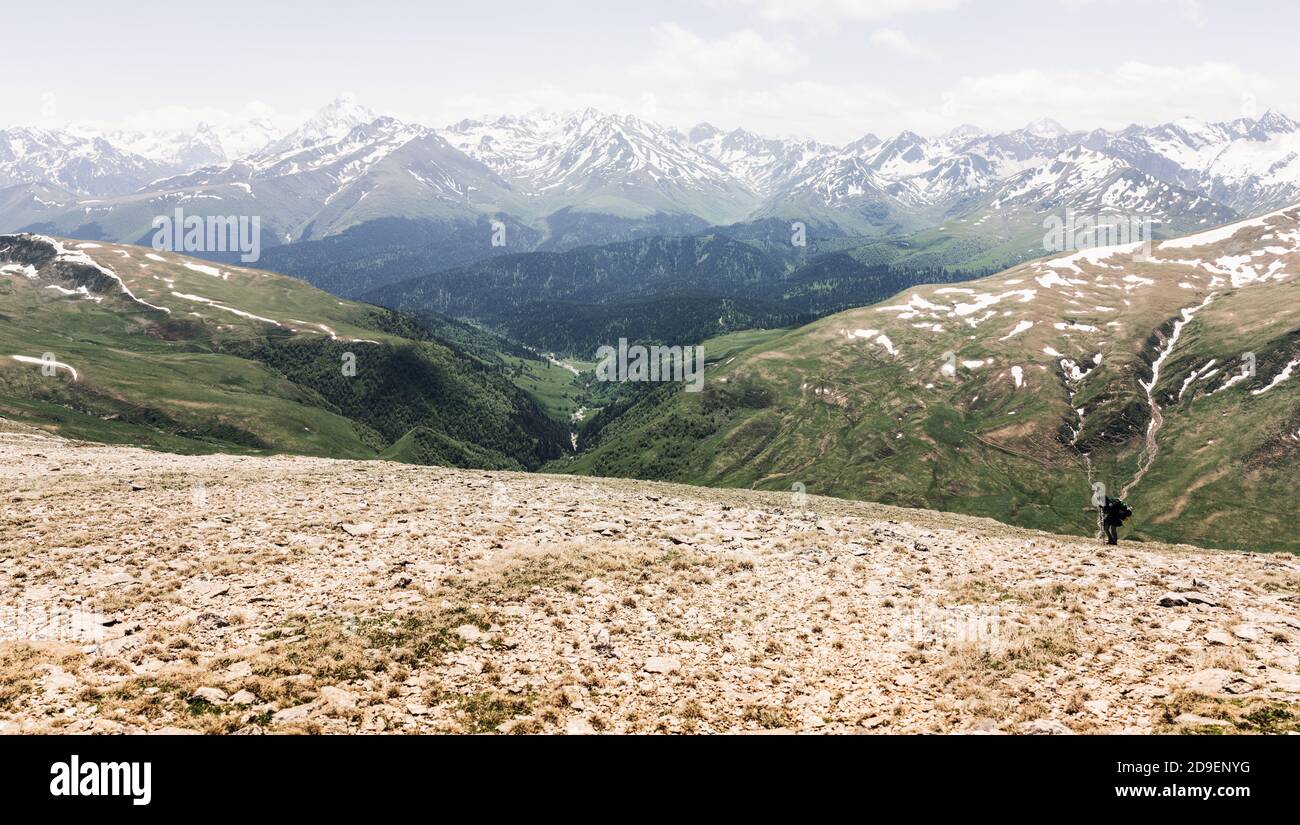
{"x":148,"y":592}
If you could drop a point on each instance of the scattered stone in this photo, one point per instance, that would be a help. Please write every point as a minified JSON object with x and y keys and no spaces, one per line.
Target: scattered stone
{"x":662,"y":664}
{"x":298,"y":713}
{"x":471,"y":634}
{"x":1238,"y":685}
{"x":1209,"y":681}
{"x":1049,"y":727}
{"x":577,"y":726}
{"x":211,"y":695}
{"x":1220,"y":637}
{"x":1186,"y":598}
{"x":1245,"y":632}
{"x":1097,"y":707}
{"x":338,"y":699}
{"x":237,"y":671}
{"x":211,"y":590}
{"x":787,"y":620}
{"x":1194,"y":720}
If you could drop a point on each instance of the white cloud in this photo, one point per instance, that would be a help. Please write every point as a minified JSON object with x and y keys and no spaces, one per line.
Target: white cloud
{"x":830,"y":112}
{"x":897,"y":42}
{"x":822,"y":12}
{"x":1132,"y":92}
{"x":166,"y":118}
{"x":1111,"y":98}
{"x":1190,"y":9}
{"x":680,"y":54}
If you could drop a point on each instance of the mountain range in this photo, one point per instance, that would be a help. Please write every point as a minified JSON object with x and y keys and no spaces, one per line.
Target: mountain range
{"x":559,"y":181}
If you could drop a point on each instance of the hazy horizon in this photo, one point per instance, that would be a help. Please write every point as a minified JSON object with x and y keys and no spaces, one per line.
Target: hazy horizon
{"x":832,"y":70}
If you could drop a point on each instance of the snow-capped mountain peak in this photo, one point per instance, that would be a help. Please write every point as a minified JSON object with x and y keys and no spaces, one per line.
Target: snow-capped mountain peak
{"x":1272,"y":123}
{"x":1046,"y":128}
{"x":330,"y":123}
{"x":962,"y":133}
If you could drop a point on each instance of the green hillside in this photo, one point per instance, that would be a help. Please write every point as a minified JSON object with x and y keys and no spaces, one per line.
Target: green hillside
{"x":1009,"y":396}
{"x":190,"y":356}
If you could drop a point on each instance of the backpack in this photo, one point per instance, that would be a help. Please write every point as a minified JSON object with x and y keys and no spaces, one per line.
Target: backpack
{"x":1118,"y":510}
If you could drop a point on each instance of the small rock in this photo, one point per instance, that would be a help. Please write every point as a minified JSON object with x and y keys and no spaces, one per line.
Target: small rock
{"x":577,"y":726}
{"x":1238,"y":686}
{"x":210,"y":590}
{"x":1209,"y":681}
{"x":294,"y":714}
{"x":1245,"y":632}
{"x":1281,"y":680}
{"x":662,"y":664}
{"x":373,"y":720}
{"x":365,"y":528}
{"x":338,"y":699}
{"x":470,"y":633}
{"x":1193,"y":719}
{"x":1220,"y":637}
{"x":1049,"y":727}
{"x":1097,"y":706}
{"x":237,"y":671}
{"x":1186,"y":598}
{"x":211,"y":695}
{"x":1180,"y":625}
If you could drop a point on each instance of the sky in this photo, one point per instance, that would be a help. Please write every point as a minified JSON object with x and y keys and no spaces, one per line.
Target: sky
{"x":833,"y":70}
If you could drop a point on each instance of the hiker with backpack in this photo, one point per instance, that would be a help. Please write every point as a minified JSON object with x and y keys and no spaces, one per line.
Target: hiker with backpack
{"x":1114,"y":512}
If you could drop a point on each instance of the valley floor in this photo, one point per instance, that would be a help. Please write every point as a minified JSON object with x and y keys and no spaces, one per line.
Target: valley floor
{"x":144,"y":591}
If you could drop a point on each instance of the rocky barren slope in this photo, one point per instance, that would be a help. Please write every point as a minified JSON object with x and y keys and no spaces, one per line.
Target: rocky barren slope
{"x":144,"y":591}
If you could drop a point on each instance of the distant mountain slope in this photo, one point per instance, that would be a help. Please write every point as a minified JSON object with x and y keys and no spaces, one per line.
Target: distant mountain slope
{"x":707,"y":285}
{"x":1008,"y":396}
{"x":90,"y":166}
{"x":615,"y":164}
{"x":1248,"y":164}
{"x":113,"y":343}
{"x":591,"y":274}
{"x":562,"y":181}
